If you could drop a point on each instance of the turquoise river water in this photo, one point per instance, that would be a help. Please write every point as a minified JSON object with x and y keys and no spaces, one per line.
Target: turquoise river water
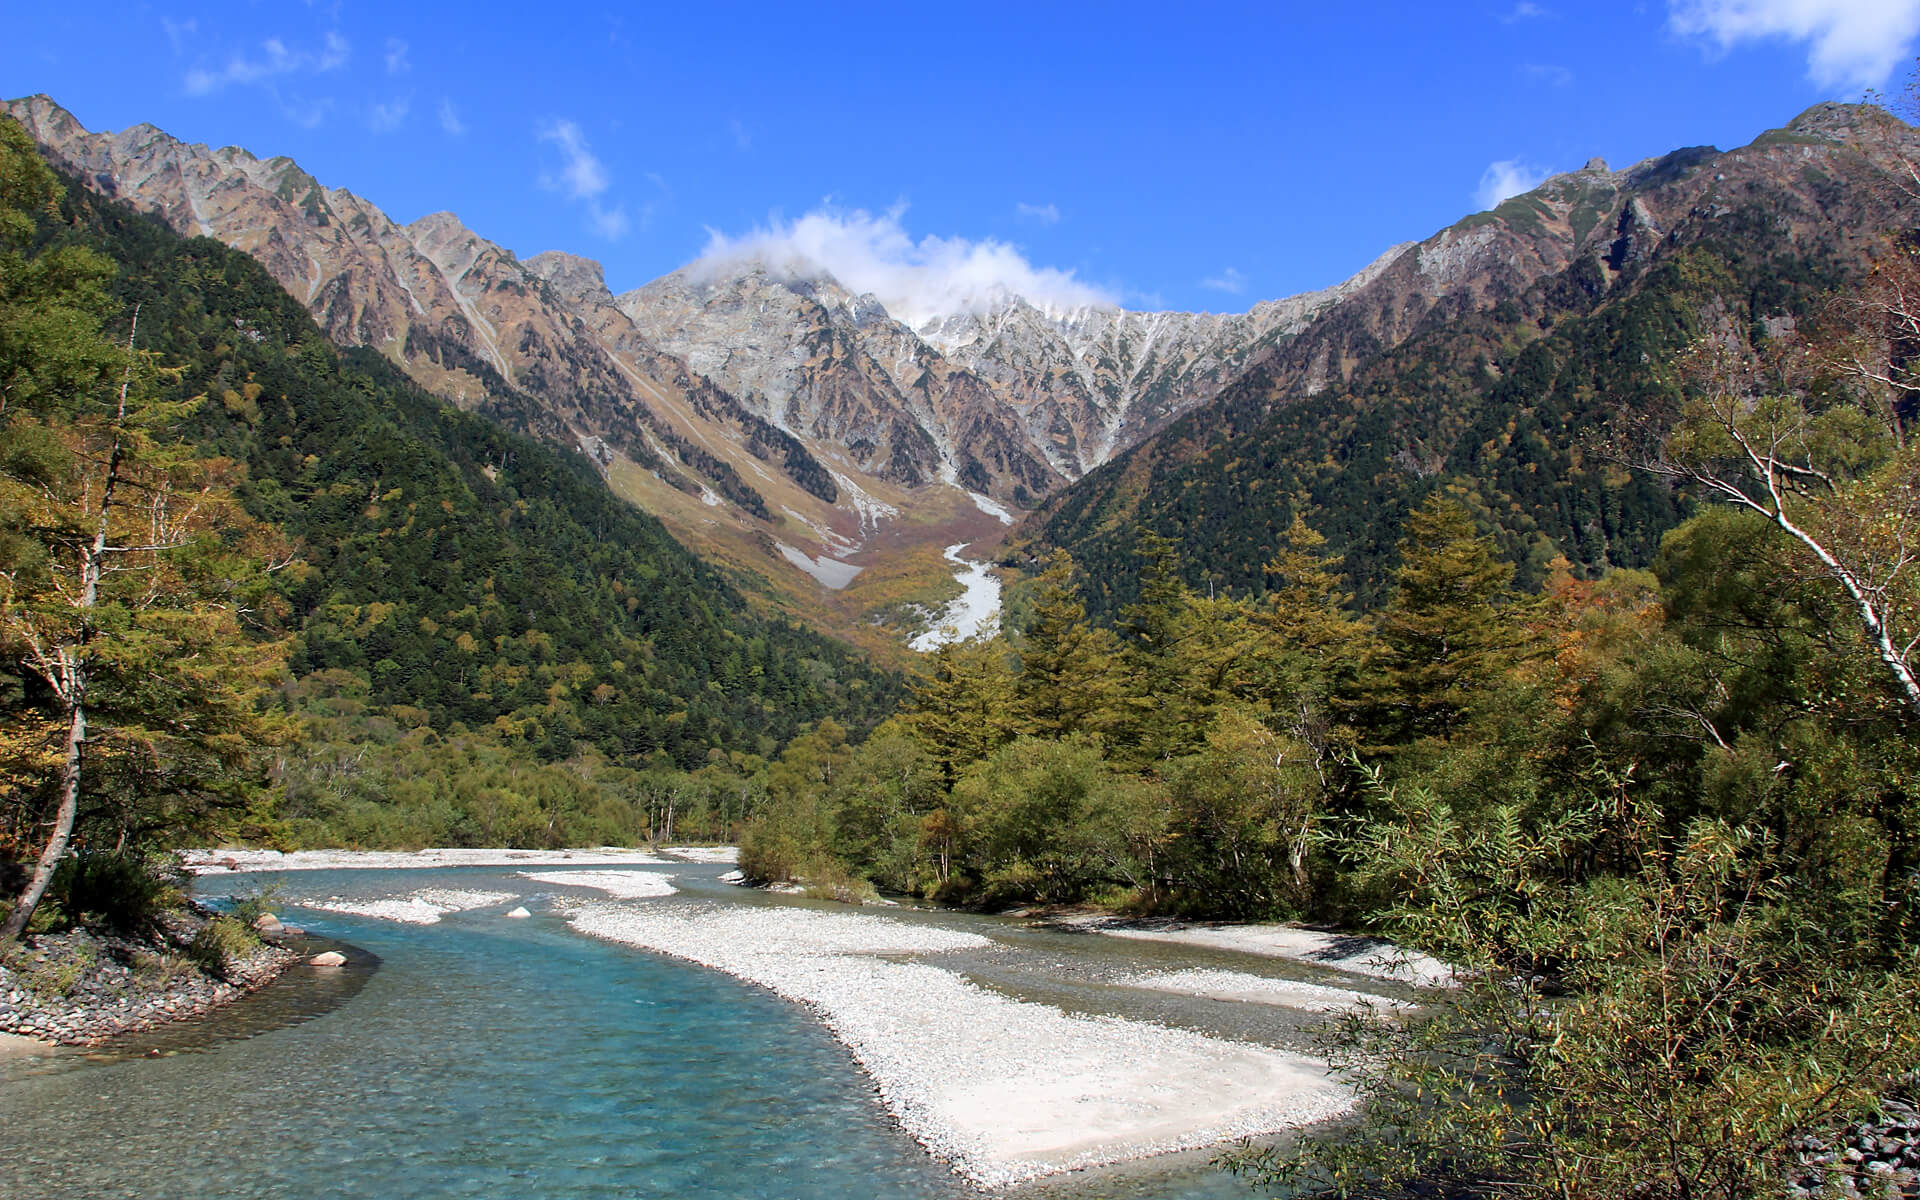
{"x":482,"y":1057}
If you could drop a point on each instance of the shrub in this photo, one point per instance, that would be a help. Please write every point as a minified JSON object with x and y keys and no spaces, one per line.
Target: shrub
{"x":125,"y":891}
{"x":1664,"y":1030}
{"x":220,"y":942}
{"x":263,"y":900}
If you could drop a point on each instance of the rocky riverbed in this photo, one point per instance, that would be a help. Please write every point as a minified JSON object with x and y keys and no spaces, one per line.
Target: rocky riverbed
{"x":1003,"y":1090}
{"x":82,"y":987}
{"x":1876,"y":1157}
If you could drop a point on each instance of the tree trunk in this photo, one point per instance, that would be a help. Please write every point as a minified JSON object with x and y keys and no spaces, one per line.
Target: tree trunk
{"x":68,"y":670}
{"x":23,"y":908}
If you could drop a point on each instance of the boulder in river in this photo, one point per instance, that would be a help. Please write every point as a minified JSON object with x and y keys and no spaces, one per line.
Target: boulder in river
{"x":332,"y":958}
{"x":268,"y":924}
{"x":518,"y":912}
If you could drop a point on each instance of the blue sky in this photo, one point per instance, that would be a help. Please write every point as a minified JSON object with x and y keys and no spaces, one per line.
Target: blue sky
{"x":1197,"y":157}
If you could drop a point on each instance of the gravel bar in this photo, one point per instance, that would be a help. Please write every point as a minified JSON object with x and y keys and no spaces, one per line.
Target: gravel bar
{"x":1002,"y":1090}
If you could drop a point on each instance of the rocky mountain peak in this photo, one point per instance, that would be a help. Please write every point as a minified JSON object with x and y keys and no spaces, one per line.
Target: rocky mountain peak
{"x":576,"y":280}
{"x":1835,"y":121}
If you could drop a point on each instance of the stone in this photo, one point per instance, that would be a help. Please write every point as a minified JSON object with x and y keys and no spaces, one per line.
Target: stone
{"x":518,"y":912}
{"x":267,"y":923}
{"x":332,"y":958}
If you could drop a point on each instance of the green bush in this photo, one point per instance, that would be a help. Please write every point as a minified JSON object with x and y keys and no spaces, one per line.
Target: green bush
{"x":220,"y":942}
{"x":1665,"y":1033}
{"x":258,"y":903}
{"x":126,"y":892}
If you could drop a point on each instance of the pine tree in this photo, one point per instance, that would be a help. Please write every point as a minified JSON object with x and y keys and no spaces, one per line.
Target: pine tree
{"x":962,"y":708}
{"x":1065,"y":683}
{"x":1448,"y":634}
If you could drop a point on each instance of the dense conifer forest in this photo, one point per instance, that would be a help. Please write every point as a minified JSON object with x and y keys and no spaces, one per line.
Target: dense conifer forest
{"x":1516,"y":407}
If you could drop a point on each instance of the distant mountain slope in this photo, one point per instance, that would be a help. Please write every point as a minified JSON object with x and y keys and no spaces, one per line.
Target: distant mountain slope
{"x":768,"y":420}
{"x":457,"y":573}
{"x":803,"y":435}
{"x":1554,"y":314}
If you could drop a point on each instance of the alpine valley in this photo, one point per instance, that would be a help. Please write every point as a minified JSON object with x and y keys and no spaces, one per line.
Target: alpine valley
{"x":825,"y":450}
{"x":1455,"y":732}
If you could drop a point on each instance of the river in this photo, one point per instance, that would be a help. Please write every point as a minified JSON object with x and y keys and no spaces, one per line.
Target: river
{"x":487,"y":1057}
{"x":974,"y":611}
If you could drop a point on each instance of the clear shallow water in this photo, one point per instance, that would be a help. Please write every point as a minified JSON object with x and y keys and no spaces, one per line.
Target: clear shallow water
{"x":495,"y":1058}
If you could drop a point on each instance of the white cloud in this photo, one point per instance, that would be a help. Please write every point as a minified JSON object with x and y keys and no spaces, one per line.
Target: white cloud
{"x":742,"y":136}
{"x":178,"y":32}
{"x":307,"y":114}
{"x":275,"y":60}
{"x":385,"y":118}
{"x":1524,"y":11}
{"x":915,"y":280}
{"x":397,"y":63}
{"x":1045,"y":214}
{"x":1551,"y":74}
{"x":1850,"y":43}
{"x":609,"y":223}
{"x":450,"y":118}
{"x":1506,"y":179}
{"x":1229,"y":280}
{"x":583,"y":177}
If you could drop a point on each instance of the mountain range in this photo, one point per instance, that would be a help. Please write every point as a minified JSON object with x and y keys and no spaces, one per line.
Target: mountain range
{"x":782,"y":424}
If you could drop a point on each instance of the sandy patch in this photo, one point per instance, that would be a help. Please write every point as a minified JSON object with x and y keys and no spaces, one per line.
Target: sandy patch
{"x":1258,"y":989}
{"x":622,"y":885}
{"x":1341,"y":951}
{"x":203,"y":861}
{"x":12,"y":1045}
{"x":1003,"y":1090}
{"x":702,"y":854}
{"x":424,"y":907}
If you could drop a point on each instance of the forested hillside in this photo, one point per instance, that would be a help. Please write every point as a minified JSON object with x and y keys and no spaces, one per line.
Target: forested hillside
{"x":1532,"y":407}
{"x":452,"y":574}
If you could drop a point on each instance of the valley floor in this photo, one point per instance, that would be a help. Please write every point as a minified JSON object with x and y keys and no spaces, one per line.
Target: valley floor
{"x":1003,"y":1081}
{"x":1004,"y":1090}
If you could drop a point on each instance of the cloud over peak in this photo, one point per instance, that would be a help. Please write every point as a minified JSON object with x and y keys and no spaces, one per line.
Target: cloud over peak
{"x":1230,"y":281}
{"x":916,"y":280}
{"x":1850,"y":43}
{"x":274,"y":60}
{"x":583,"y":177}
{"x":1506,"y":179}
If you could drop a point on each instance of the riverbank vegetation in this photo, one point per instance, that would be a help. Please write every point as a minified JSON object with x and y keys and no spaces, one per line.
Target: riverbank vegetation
{"x":1664,"y":820}
{"x":257,"y":587}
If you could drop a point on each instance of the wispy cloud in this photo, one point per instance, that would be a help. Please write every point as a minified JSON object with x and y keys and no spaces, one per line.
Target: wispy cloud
{"x":1526,"y":10}
{"x":307,"y":114}
{"x":275,"y":60}
{"x":583,"y":177}
{"x":385,"y":118}
{"x":450,"y":118}
{"x":1043,"y":214}
{"x":397,"y":62}
{"x":1230,"y":281}
{"x":1850,"y":43}
{"x":1506,"y":179}
{"x":179,"y":33}
{"x":1550,"y":74}
{"x":742,"y":136}
{"x":915,"y":280}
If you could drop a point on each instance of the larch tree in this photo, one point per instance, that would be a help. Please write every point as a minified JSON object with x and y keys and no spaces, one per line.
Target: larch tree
{"x":1065,"y":683}
{"x":1444,"y":639}
{"x":128,"y":573}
